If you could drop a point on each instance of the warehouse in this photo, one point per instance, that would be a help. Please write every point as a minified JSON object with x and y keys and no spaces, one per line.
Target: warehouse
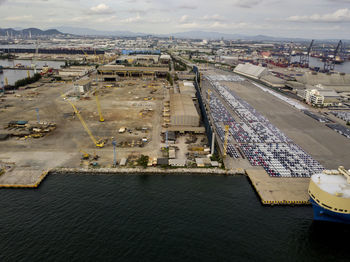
{"x":182,"y":111}
{"x":252,"y":71}
{"x":337,"y":82}
{"x":187,"y":87}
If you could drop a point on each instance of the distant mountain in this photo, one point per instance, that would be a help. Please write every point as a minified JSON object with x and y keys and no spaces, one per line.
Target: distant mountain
{"x":64,"y":30}
{"x":92,"y":32}
{"x":188,"y":35}
{"x":28,"y":32}
{"x":217,"y":35}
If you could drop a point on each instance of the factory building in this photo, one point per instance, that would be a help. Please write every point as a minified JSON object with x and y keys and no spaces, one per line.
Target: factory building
{"x":182,"y":111}
{"x":321,"y":98}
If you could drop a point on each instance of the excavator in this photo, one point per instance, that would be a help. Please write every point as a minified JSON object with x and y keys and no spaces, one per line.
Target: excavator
{"x":86,"y":156}
{"x":98,"y":143}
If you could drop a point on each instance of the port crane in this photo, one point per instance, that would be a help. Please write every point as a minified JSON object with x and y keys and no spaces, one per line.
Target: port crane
{"x":338,"y":53}
{"x":97,"y":143}
{"x":336,"y":58}
{"x":305,"y":57}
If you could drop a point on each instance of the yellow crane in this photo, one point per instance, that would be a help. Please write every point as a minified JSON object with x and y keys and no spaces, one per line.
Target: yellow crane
{"x":85,"y":54}
{"x":96,"y":57}
{"x":97,"y":143}
{"x":99,"y":107}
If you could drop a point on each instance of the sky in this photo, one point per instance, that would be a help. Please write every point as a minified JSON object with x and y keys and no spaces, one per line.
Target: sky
{"x":296,"y":18}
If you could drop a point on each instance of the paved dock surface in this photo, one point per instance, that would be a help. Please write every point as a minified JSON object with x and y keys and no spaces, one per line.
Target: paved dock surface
{"x":278,"y":190}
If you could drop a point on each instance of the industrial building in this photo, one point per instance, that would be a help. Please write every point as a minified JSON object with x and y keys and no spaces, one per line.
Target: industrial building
{"x":75,"y":71}
{"x":187,"y":87}
{"x":182,"y":111}
{"x":164,"y":59}
{"x":138,"y":59}
{"x":259,"y":73}
{"x":112,"y":72}
{"x":82,"y":86}
{"x":252,"y":71}
{"x":338,"y":82}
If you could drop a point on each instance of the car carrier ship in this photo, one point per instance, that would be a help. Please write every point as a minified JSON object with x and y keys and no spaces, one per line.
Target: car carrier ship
{"x":330,"y":195}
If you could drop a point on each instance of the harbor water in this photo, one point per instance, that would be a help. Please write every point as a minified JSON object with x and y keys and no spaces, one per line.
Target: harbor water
{"x":316,"y":62}
{"x":158,"y":218}
{"x":14,"y":75}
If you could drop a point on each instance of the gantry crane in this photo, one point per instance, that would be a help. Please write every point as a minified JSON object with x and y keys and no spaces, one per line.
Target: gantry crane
{"x":338,"y":53}
{"x":331,"y":60}
{"x":99,"y":106}
{"x":305,"y":58}
{"x":97,"y":143}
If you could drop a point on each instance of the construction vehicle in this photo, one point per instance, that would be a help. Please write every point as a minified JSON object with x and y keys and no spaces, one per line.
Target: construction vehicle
{"x":86,"y":156}
{"x":98,"y":143}
{"x":99,"y":107}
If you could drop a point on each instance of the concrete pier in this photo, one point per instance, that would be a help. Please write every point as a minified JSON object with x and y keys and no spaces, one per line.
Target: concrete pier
{"x":278,"y":190}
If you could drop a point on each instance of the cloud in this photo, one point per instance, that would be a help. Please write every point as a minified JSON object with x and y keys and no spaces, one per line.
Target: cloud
{"x":2,"y":1}
{"x":21,"y":18}
{"x":192,"y":25}
{"x":246,"y":3}
{"x":184,"y":19}
{"x":130,"y":20}
{"x":216,"y":18}
{"x":341,"y":15}
{"x":101,"y":9}
{"x":186,"y":6}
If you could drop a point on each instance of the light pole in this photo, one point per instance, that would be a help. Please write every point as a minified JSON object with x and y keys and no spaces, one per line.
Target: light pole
{"x":37,"y":115}
{"x":114,"y":143}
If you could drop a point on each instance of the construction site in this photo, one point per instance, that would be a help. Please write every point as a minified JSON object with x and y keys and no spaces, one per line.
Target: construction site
{"x":91,"y":121}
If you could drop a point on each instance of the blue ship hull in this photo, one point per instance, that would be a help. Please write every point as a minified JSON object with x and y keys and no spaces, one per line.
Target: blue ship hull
{"x":322,"y":214}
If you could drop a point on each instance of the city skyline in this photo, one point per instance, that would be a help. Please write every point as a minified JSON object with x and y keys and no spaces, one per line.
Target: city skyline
{"x":316,"y":19}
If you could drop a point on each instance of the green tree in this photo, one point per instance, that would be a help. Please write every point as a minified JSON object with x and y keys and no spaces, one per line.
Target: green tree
{"x":143,"y":161}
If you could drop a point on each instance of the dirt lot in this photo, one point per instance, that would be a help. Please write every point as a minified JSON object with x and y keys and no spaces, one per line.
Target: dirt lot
{"x":133,"y":103}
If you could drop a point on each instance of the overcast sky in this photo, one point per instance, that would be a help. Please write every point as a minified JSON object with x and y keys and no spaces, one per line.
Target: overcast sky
{"x":296,"y":18}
